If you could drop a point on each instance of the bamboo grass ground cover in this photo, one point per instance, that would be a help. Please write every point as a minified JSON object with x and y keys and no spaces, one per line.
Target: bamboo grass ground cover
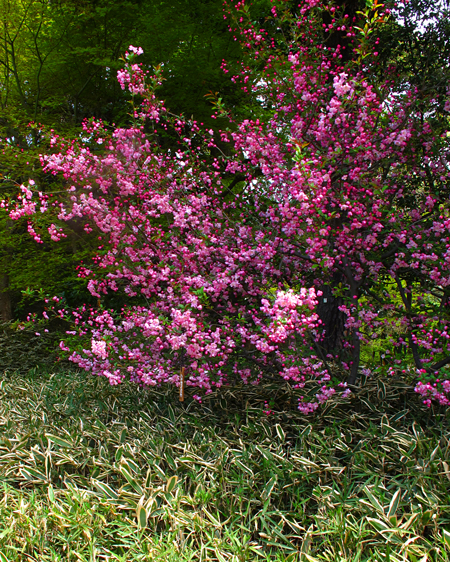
{"x":91,"y":472}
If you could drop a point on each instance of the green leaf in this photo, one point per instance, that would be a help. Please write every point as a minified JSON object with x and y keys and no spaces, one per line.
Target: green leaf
{"x":410,"y":521}
{"x":142,"y":515}
{"x":33,"y":475}
{"x":131,"y":465}
{"x":148,"y":478}
{"x":426,"y":517}
{"x":394,"y":504}
{"x":379,"y":525}
{"x":58,"y":441}
{"x":446,"y":537}
{"x":373,"y":500}
{"x":160,"y":471}
{"x":131,"y":480}
{"x":269,"y":487}
{"x":242,"y":466}
{"x":280,"y":432}
{"x":171,"y":483}
{"x":51,"y":493}
{"x":105,"y":489}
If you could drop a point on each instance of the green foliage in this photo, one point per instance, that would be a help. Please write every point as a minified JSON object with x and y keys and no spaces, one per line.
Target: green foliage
{"x":58,"y":65}
{"x":59,"y":59}
{"x":24,"y":350}
{"x":90,"y":471}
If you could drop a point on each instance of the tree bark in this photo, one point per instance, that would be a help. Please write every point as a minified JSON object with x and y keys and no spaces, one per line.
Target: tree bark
{"x":333,"y":321}
{"x":5,"y":299}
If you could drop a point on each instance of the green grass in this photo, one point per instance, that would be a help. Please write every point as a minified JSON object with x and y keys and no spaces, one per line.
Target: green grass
{"x":91,"y":472}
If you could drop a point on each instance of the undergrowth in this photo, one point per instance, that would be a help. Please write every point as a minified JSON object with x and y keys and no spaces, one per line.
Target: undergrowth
{"x":91,"y":472}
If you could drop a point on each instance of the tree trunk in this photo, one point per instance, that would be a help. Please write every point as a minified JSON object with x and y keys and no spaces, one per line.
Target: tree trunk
{"x":333,"y":321}
{"x":5,"y":299}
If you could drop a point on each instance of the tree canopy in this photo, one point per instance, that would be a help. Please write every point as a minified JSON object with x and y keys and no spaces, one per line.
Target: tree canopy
{"x":298,"y":241}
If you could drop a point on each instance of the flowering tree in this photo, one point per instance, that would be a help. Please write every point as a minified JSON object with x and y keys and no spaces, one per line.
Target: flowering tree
{"x":358,"y":176}
{"x":326,"y":228}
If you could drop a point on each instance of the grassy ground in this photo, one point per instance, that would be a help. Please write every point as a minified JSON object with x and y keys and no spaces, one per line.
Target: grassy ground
{"x":91,"y":472}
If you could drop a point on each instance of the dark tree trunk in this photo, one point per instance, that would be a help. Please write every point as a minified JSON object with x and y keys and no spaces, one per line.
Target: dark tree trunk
{"x":335,"y":334}
{"x":5,"y":299}
{"x":333,"y":321}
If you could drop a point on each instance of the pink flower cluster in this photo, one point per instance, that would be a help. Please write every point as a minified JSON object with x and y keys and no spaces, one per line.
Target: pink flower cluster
{"x":229,"y":285}
{"x":438,"y":391}
{"x":132,"y":76}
